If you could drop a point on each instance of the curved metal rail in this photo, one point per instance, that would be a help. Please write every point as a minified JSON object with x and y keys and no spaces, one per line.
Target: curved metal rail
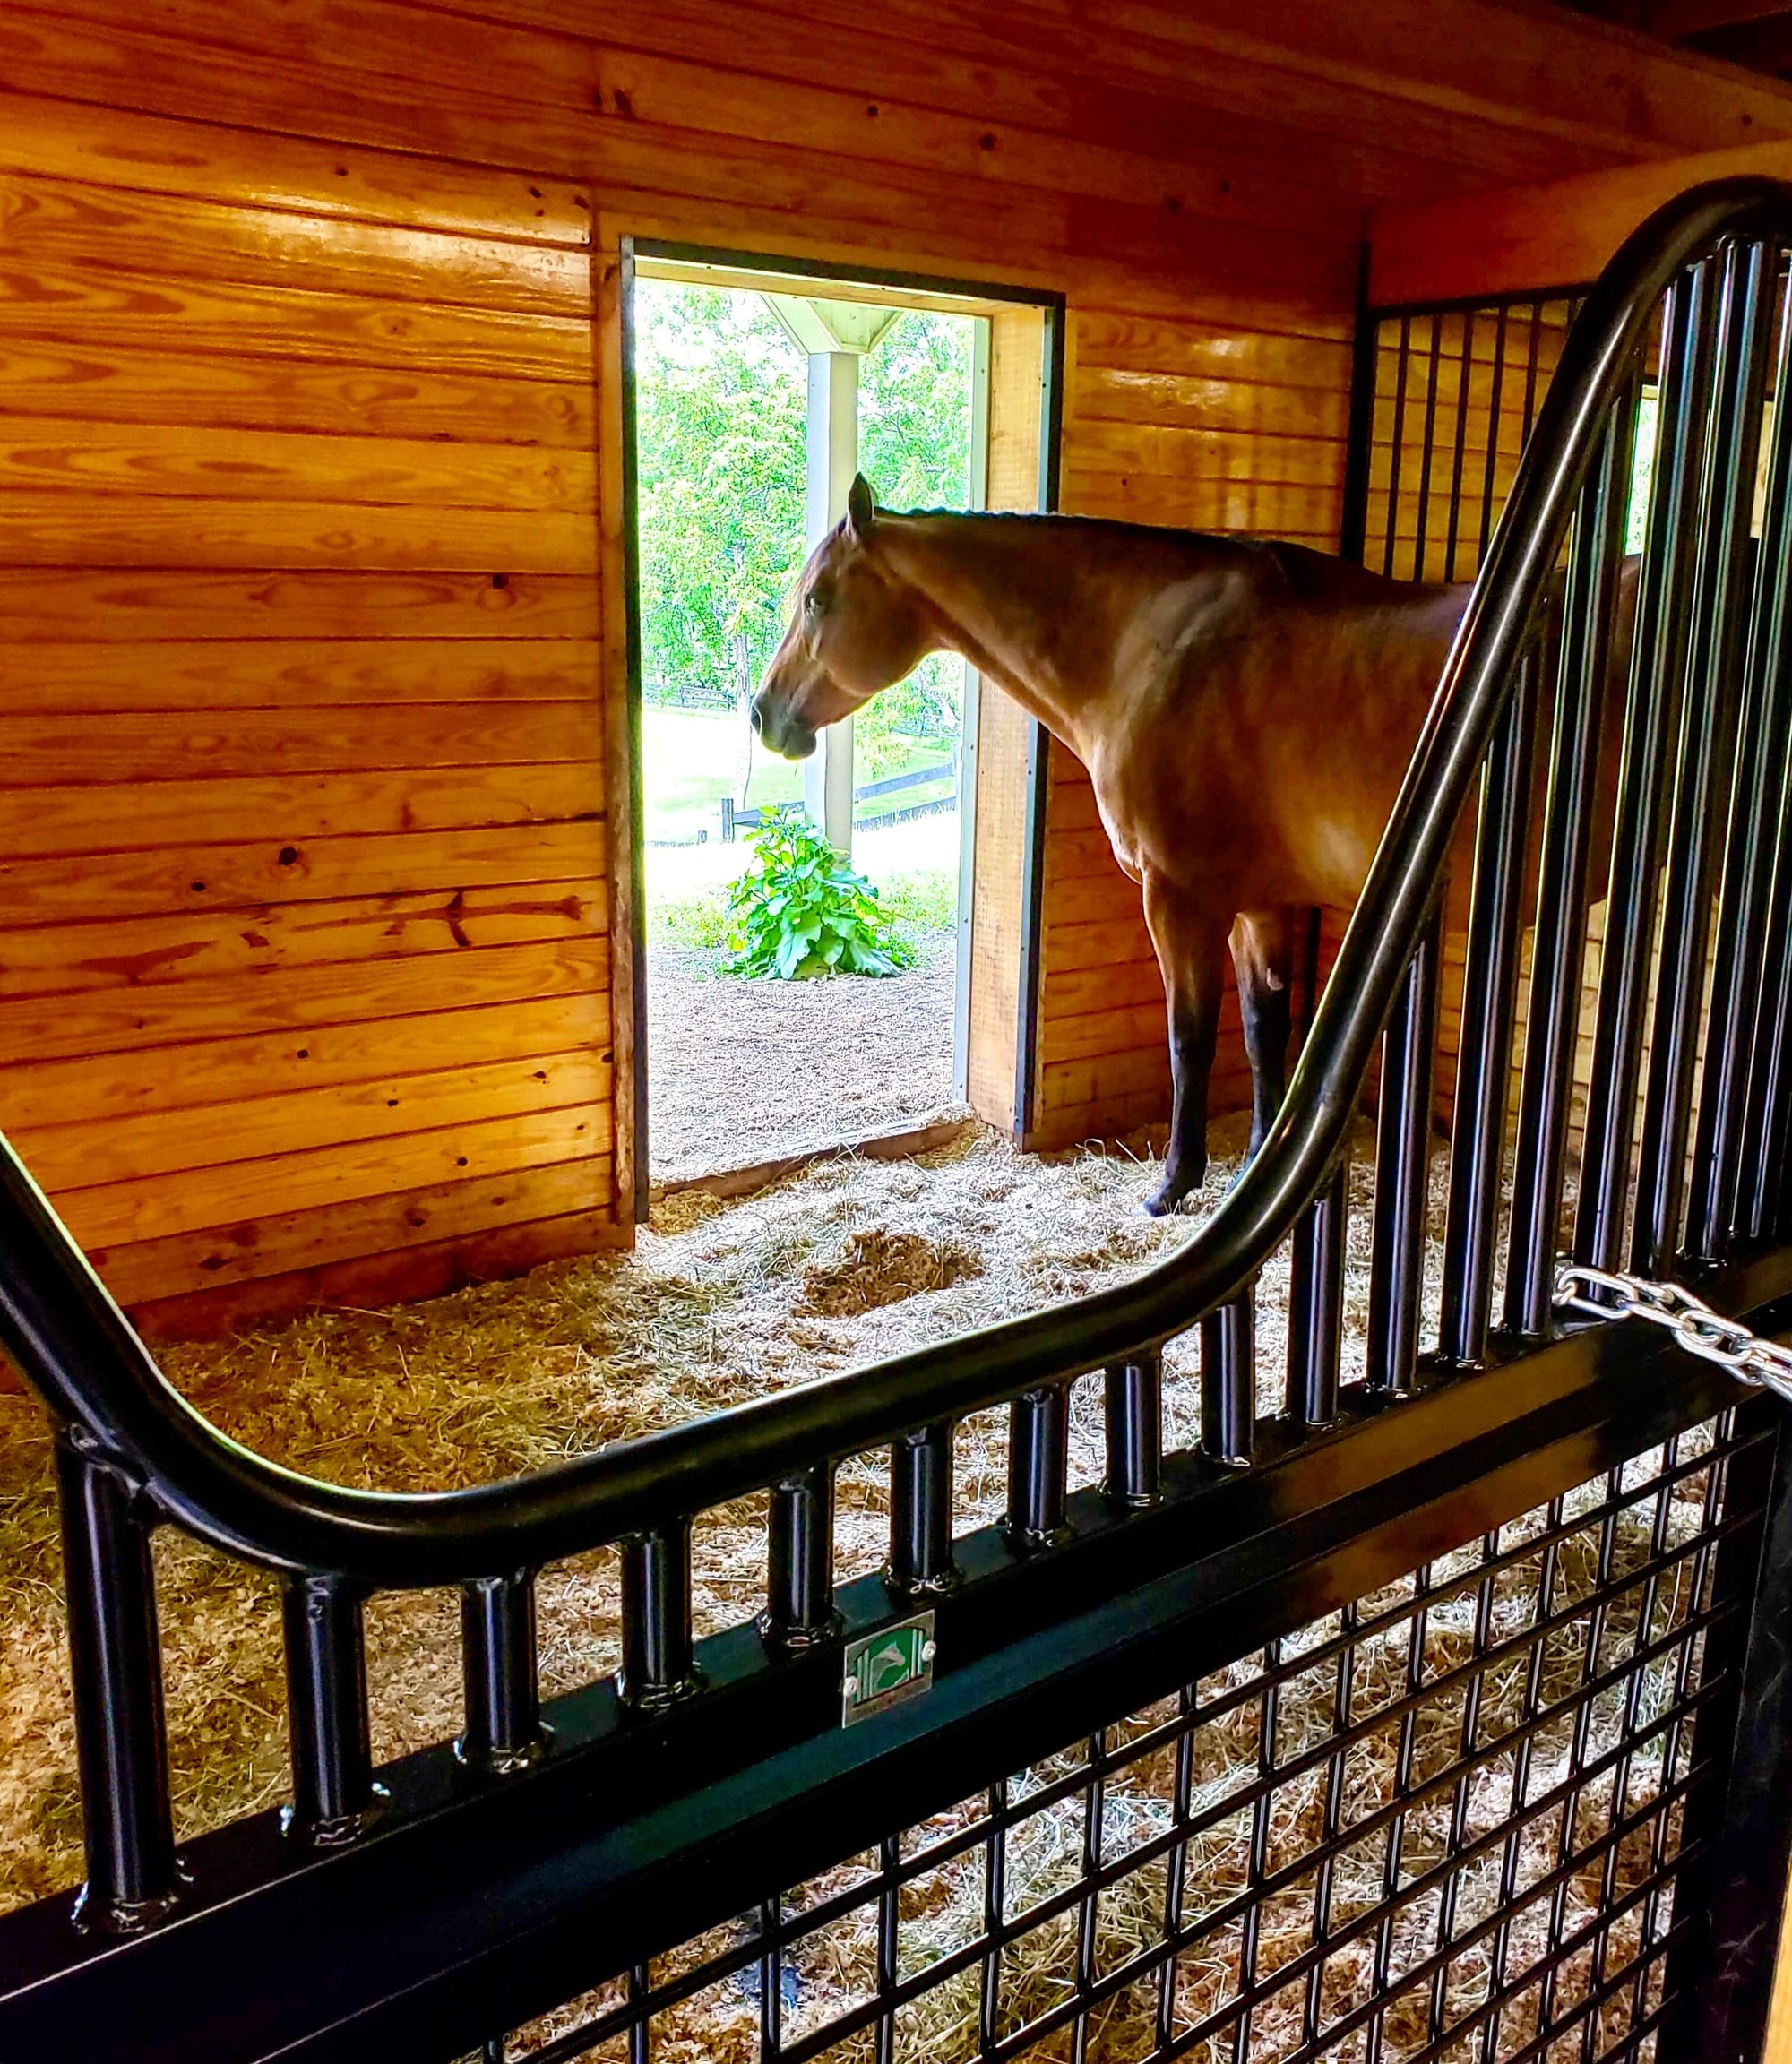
{"x":133,"y":1453}
{"x":86,"y":1361}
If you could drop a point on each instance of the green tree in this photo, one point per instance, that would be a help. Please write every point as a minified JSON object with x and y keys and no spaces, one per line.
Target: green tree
{"x":914,"y":447}
{"x":720,"y":410}
{"x":720,"y":401}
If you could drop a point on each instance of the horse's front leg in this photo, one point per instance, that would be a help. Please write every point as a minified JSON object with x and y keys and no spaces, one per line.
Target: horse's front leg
{"x":1262,"y":961}
{"x":1190,"y":942}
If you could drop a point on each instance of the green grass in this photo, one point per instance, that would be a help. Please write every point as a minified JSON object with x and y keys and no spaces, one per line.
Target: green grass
{"x":692,"y":758}
{"x":921,"y":903}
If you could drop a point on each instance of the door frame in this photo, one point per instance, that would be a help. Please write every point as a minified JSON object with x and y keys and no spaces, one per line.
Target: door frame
{"x":762,"y":272}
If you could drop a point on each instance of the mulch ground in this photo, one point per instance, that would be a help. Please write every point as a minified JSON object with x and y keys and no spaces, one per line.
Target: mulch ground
{"x":741,"y":1071}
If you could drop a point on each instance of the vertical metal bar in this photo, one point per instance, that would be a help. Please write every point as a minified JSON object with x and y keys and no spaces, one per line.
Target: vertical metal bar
{"x":114,"y":1664}
{"x":994,"y":1907}
{"x":1403,"y":1173}
{"x":1495,"y":396}
{"x":1228,"y":1360}
{"x":1135,"y":1401}
{"x":1533,"y":350}
{"x":1511,"y":1848}
{"x":1393,"y":1858}
{"x":1708,"y":717}
{"x":1038,"y":1466}
{"x":326,"y":1676}
{"x":1577,"y":1754}
{"x":657,"y":1665}
{"x":1770,"y":919}
{"x":640,"y":2027}
{"x":799,"y":1590}
{"x":770,"y":1978}
{"x":1428,"y":448}
{"x":1176,"y":1864}
{"x":1688,"y":330}
{"x":1402,"y":358}
{"x":1716,"y":1211}
{"x":1360,"y":447}
{"x":921,"y":1513}
{"x":1251,"y":1930}
{"x":1316,"y":1305}
{"x":1744,"y":1808}
{"x":1462,"y":384}
{"x":502,"y":1698}
{"x":1467,"y":1735}
{"x":1770,"y":1082}
{"x":888,"y":1894}
{"x":1324,"y":1879}
{"x":1484,"y":1056}
{"x":1690,"y":1663}
{"x":1589,"y":608}
{"x":1089,"y":1907}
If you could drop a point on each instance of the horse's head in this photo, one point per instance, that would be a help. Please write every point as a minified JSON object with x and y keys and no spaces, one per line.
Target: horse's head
{"x":853,"y":631}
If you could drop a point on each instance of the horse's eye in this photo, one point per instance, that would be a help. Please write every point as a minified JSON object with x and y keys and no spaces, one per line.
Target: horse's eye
{"x":814,"y":603}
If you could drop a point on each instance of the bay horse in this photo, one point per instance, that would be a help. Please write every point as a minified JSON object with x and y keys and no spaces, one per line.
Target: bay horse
{"x":1246,"y":710}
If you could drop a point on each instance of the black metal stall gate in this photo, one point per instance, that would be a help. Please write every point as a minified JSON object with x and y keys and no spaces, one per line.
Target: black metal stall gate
{"x":1431,"y":1706}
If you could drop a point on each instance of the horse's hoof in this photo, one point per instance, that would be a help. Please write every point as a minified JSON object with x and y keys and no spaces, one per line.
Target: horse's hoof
{"x":1164,"y":1199}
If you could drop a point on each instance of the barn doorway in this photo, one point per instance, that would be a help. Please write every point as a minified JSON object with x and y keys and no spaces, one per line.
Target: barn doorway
{"x":756,"y":394}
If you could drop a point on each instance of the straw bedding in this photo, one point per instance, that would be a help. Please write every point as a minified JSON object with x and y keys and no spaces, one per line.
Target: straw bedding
{"x":846,"y":1263}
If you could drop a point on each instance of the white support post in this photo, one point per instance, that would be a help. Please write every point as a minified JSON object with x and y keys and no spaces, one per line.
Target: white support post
{"x":833,"y":460}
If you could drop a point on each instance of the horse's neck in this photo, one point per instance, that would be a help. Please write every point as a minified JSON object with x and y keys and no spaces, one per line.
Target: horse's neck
{"x":1004,"y":595}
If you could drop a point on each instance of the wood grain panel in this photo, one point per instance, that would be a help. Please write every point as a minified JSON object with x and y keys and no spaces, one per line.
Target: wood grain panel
{"x":180,"y":459}
{"x":429,"y":1268}
{"x":60,"y":748}
{"x":158,"y":1208}
{"x":68,"y":226}
{"x":94,"y":307}
{"x":188,"y":605}
{"x":112,"y":383}
{"x":1513,"y":241}
{"x":83,"y":886}
{"x":38,"y":1097}
{"x":105,"y":1151}
{"x":296,"y":674}
{"x":63,"y":528}
{"x":1380,"y":84}
{"x":139,"y":953}
{"x":154,"y":815}
{"x":113,"y":147}
{"x":173,"y":1013}
{"x":229,"y":1257}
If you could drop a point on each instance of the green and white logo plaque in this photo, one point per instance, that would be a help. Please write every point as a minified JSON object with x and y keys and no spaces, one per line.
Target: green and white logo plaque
{"x":884,"y":1668}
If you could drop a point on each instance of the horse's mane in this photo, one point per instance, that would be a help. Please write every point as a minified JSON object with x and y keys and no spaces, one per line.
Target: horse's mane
{"x":1113,"y":526}
{"x":1298,"y":565}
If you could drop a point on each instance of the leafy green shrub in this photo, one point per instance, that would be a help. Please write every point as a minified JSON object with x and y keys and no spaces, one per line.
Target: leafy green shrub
{"x":800,"y":910}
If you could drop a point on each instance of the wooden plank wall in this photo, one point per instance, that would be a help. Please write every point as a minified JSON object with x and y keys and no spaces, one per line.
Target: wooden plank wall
{"x":310,"y":514}
{"x":303,"y":904}
{"x":1211,"y":427}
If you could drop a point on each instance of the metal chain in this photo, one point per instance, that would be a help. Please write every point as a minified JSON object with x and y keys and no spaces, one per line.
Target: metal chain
{"x":1604,"y":1294}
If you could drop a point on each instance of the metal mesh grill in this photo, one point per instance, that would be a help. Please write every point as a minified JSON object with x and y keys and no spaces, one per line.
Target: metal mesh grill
{"x":1444,"y":1821}
{"x":1452,"y":395}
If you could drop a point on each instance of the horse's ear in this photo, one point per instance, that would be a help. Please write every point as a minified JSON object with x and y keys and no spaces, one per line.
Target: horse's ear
{"x":861,"y":506}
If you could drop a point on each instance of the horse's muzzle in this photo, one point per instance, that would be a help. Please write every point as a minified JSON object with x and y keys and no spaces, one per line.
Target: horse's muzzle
{"x":785,"y":733}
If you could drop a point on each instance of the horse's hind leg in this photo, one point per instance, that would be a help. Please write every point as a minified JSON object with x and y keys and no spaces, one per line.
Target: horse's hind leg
{"x":1190,"y":945}
{"x":1260,"y":958}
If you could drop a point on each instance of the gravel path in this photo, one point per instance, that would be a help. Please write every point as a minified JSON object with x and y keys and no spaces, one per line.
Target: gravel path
{"x":739,"y":1072}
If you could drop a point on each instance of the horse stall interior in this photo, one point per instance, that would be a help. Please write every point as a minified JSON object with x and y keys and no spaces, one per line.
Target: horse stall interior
{"x":1435,"y":1712}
